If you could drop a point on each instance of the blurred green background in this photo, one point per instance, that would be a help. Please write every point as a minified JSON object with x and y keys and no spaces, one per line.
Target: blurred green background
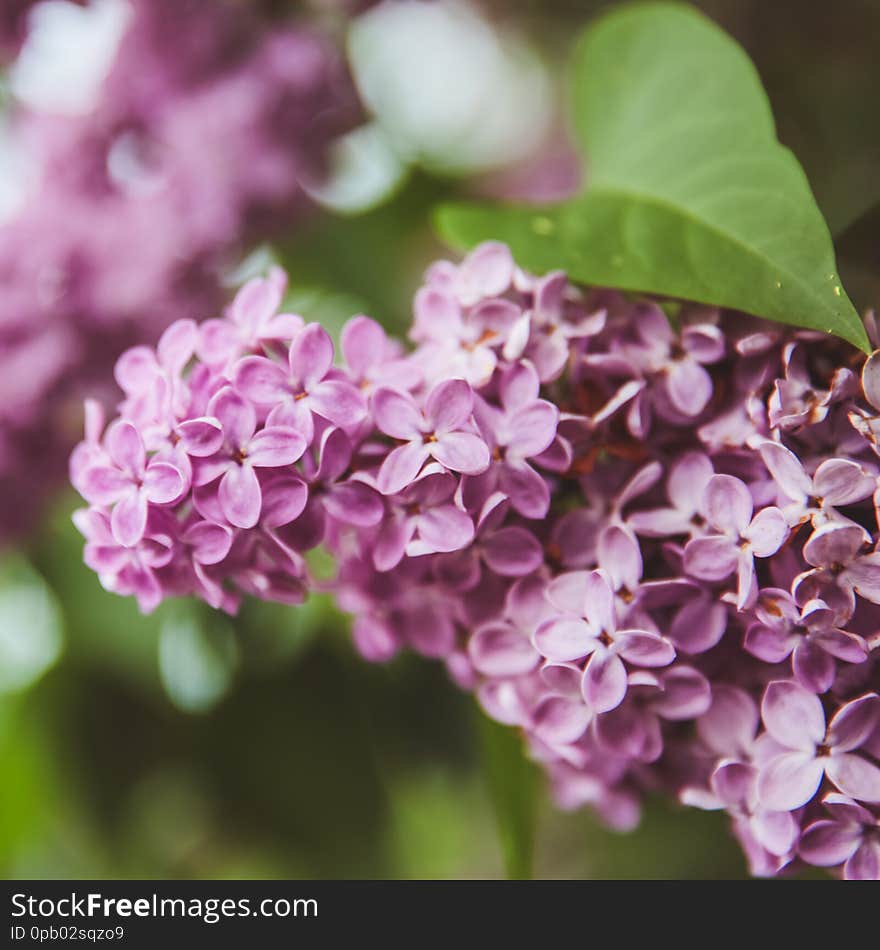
{"x":187,"y":744}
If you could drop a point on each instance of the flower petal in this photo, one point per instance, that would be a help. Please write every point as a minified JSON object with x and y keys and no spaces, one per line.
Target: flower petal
{"x":164,"y":483}
{"x":311,"y":356}
{"x":604,"y":682}
{"x":727,"y":504}
{"x":240,"y":496}
{"x":689,"y":386}
{"x":401,"y":466}
{"x":103,"y":484}
{"x":854,"y":776}
{"x":275,"y":446}
{"x":461,"y":452}
{"x":789,"y":781}
{"x":200,"y":437}
{"x":513,"y":552}
{"x":793,"y":715}
{"x":237,"y":416}
{"x":126,"y":447}
{"x":559,"y":721}
{"x":396,"y":414}
{"x":261,"y":380}
{"x":712,"y":558}
{"x":128,"y":520}
{"x":564,"y":638}
{"x":853,"y":723}
{"x":339,"y":402}
{"x":825,"y":844}
{"x":497,"y":649}
{"x":449,"y":406}
{"x":767,"y":532}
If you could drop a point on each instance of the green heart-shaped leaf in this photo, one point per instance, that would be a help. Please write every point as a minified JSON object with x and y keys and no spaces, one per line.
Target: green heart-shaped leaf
{"x":689,"y":192}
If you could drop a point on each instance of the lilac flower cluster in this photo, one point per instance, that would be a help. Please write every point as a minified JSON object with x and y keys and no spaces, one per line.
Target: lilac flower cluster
{"x":649,"y":543}
{"x":205,"y":131}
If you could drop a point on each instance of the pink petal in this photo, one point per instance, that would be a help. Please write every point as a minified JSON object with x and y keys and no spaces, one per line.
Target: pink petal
{"x":355,"y":503}
{"x":461,"y":452}
{"x":787,"y":471}
{"x":445,"y":528}
{"x":218,"y":342}
{"x":513,"y":552}
{"x":396,"y":414}
{"x":257,"y":301}
{"x":767,"y":532}
{"x":519,"y":386}
{"x":533,"y":429}
{"x":854,"y":776}
{"x":401,"y":466}
{"x":599,"y":601}
{"x":200,"y":437}
{"x":686,"y":694}
{"x":828,"y":843}
{"x":528,"y":491}
{"x":789,"y":781}
{"x":727,"y":504}
{"x":777,"y":831}
{"x":339,"y":402}
{"x":449,"y":406}
{"x":240,"y":496}
{"x":311,"y":356}
{"x":568,"y":592}
{"x":864,"y":575}
{"x":689,"y":386}
{"x":604,"y":682}
{"x":128,"y":519}
{"x":210,"y":542}
{"x":769,"y":644}
{"x":871,"y":379}
{"x":621,"y":556}
{"x":125,"y":446}
{"x":564,"y":638}
{"x":843,"y":482}
{"x":864,"y":865}
{"x":698,"y":626}
{"x":136,"y":369}
{"x":643,"y":648}
{"x":261,"y":380}
{"x":730,"y":724}
{"x":486,"y":272}
{"x":103,"y":485}
{"x":163,"y":483}
{"x":559,"y":721}
{"x":177,"y":345}
{"x":284,"y":498}
{"x":236,"y":416}
{"x":688,"y":479}
{"x":275,"y":446}
{"x":711,"y":559}
{"x":834,"y":543}
{"x":390,"y":543}
{"x":498,"y":649}
{"x":793,"y":715}
{"x":813,"y":667}
{"x":363,"y":344}
{"x":437,"y":314}
{"x":853,"y":723}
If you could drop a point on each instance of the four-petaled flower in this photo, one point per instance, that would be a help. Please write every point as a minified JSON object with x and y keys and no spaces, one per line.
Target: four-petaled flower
{"x":444,"y":432}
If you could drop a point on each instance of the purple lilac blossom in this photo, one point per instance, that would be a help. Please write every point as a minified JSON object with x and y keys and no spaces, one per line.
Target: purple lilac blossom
{"x":652,"y":551}
{"x":207,"y":127}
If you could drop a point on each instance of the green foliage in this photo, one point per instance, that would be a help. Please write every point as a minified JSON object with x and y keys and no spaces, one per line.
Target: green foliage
{"x":513,"y":789}
{"x":689,"y":192}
